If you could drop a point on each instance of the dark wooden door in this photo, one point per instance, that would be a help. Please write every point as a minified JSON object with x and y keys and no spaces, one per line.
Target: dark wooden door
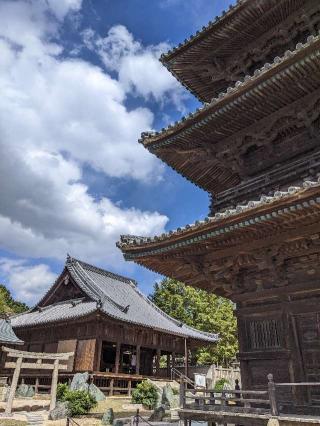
{"x":309,"y":336}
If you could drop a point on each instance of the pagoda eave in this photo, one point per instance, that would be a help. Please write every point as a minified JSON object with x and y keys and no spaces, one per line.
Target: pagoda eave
{"x":242,"y":37}
{"x":219,"y":146}
{"x":205,"y":254}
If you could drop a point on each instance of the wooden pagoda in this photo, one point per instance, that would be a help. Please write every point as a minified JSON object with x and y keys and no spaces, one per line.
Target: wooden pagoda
{"x":115,"y":332}
{"x":254,"y":145}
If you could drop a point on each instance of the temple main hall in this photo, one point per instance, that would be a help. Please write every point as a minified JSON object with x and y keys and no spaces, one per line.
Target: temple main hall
{"x":116,"y":333}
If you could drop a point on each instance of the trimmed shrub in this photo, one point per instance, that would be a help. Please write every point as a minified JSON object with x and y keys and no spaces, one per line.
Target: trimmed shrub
{"x":146,"y":394}
{"x":61,"y":390}
{"x":79,"y":401}
{"x":219,"y":385}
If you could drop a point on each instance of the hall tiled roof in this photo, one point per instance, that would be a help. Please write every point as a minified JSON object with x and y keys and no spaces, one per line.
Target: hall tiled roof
{"x":113,"y":295}
{"x":7,"y":335}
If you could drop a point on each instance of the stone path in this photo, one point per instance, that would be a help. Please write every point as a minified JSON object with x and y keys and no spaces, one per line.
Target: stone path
{"x":35,"y":419}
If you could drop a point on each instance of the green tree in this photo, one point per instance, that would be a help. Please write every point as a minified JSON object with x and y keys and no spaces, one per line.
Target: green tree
{"x":8,"y":305}
{"x":204,"y":311}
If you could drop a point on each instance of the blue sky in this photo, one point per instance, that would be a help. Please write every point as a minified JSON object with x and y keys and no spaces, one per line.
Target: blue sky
{"x":80,"y":80}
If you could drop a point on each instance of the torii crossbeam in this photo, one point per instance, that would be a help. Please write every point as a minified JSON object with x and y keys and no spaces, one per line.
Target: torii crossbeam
{"x":23,"y":362}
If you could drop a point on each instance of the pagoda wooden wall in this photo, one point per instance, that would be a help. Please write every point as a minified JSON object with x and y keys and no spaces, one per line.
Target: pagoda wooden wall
{"x":281,"y":335}
{"x":85,"y":337}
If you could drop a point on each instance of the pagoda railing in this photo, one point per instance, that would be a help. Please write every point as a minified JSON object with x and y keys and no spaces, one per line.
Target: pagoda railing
{"x":239,"y":400}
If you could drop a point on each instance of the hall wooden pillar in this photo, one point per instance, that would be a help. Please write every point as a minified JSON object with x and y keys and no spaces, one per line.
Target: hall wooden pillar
{"x":158,"y":361}
{"x":168,"y":364}
{"x":97,"y":358}
{"x":98,"y":345}
{"x":186,"y":358}
{"x":117,"y":360}
{"x":138,"y":355}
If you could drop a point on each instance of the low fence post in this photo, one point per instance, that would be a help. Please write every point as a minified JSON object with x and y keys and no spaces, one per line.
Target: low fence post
{"x":272,"y":396}
{"x":223,"y":398}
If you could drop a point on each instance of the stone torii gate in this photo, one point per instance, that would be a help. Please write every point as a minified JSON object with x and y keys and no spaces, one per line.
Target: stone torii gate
{"x":51,"y":362}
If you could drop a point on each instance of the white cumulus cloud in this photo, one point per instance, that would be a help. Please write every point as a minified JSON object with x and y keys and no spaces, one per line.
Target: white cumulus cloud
{"x":57,"y":116}
{"x":138,"y":67}
{"x":28,"y":282}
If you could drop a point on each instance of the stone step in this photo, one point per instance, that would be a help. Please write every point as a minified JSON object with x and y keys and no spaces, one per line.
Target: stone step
{"x":174,"y":415}
{"x":35,"y":419}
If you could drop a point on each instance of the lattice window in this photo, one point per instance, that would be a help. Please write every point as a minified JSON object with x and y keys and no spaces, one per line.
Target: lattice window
{"x":265,"y":334}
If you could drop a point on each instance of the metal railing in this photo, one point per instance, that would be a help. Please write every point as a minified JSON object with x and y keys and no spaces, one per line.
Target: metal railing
{"x":177,"y":374}
{"x":137,"y":419}
{"x":71,"y":422}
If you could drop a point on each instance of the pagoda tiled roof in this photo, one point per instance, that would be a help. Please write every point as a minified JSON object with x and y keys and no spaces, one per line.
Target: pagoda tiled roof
{"x":281,"y":203}
{"x":255,"y":98}
{"x":7,"y":335}
{"x":115,"y":296}
{"x":224,"y":36}
{"x":156,"y":139}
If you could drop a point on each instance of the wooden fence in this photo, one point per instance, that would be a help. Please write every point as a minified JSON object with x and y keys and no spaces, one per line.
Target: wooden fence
{"x":213,"y":373}
{"x":109,"y":383}
{"x":231,"y":374}
{"x":240,"y":400}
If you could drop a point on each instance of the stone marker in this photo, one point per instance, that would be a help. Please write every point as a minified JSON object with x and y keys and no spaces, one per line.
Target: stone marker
{"x":157,"y":415}
{"x":25,"y":391}
{"x":108,"y":417}
{"x":80,"y":382}
{"x":61,"y":411}
{"x":167,"y":397}
{"x":96,"y":393}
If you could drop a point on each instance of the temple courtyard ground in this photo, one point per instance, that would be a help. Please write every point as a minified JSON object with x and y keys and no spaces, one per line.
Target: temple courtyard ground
{"x":23,"y":407}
